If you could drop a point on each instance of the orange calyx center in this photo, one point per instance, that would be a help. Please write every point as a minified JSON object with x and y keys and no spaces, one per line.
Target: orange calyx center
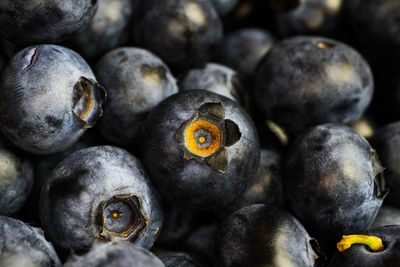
{"x":203,"y":137}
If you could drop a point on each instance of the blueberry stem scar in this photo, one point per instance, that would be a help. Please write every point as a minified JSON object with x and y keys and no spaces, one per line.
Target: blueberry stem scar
{"x":374,"y":242}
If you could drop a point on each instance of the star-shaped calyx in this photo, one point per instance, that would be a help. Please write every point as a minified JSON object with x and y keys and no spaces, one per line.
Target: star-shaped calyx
{"x":207,"y":134}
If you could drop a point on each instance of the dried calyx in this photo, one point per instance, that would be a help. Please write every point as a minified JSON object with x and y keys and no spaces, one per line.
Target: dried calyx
{"x":206,"y":136}
{"x":88,"y":97}
{"x":120,"y":218}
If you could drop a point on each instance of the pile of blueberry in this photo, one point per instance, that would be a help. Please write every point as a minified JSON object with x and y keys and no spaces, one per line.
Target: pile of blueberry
{"x":200,"y":133}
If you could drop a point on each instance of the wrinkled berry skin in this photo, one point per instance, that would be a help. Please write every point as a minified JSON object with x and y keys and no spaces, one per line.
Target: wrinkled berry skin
{"x":332,"y":183}
{"x":24,"y":246}
{"x":243,"y":50}
{"x":374,"y":22}
{"x":82,"y":191}
{"x":44,"y":92}
{"x":186,"y":178}
{"x":136,"y":81}
{"x":121,"y":254}
{"x":108,"y":29}
{"x":16,"y":181}
{"x":387,"y":143}
{"x":215,"y":78}
{"x":306,"y":81}
{"x":360,"y":255}
{"x":259,"y":235}
{"x":387,"y":215}
{"x":183,"y":32}
{"x":28,"y":22}
{"x":178,"y":259}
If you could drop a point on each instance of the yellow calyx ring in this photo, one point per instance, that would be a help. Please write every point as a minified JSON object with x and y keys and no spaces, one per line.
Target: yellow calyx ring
{"x":197,"y":144}
{"x":375,"y":243}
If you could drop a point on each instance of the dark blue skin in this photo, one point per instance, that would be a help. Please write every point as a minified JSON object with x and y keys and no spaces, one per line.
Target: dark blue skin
{"x":387,"y":143}
{"x":16,"y":181}
{"x":360,"y":255}
{"x":308,"y":17}
{"x":387,"y":215}
{"x":202,"y":183}
{"x":182,"y":32}
{"x":136,"y":81}
{"x":306,"y":81}
{"x":260,"y":235}
{"x":178,"y":259}
{"x":332,"y":182}
{"x":243,"y":50}
{"x":224,"y":6}
{"x":24,"y":246}
{"x":45,"y":91}
{"x":377,"y":20}
{"x":3,"y":62}
{"x":108,"y":29}
{"x":121,"y":254}
{"x":80,"y":198}
{"x":266,"y":186}
{"x":217,"y":79}
{"x":28,"y":22}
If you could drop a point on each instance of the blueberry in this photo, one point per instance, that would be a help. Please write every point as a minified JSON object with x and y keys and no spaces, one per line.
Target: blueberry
{"x":363,"y":253}
{"x":3,"y":62}
{"x":375,"y":23}
{"x":24,"y":246}
{"x":224,"y":6}
{"x":99,"y":193}
{"x":200,"y":149}
{"x":333,"y":182}
{"x":387,"y":215}
{"x":182,"y":32}
{"x":16,"y":180}
{"x":266,"y":186}
{"x":108,"y":29}
{"x":27,"y":22}
{"x":49,"y":98}
{"x":243,"y":49}
{"x":136,"y":81}
{"x":306,"y":81}
{"x":307,"y":16}
{"x":260,"y":235}
{"x":178,"y":259}
{"x":121,"y":254}
{"x":387,"y":143}
{"x":217,"y":79}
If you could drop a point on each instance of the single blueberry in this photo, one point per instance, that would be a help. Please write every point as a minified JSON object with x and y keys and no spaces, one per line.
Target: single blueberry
{"x":200,"y":149}
{"x":121,"y":254}
{"x":136,"y":81}
{"x":108,"y":29}
{"x":99,"y":193}
{"x":243,"y":50}
{"x":16,"y":181}
{"x":359,"y":254}
{"x":28,"y":22}
{"x":333,"y":182}
{"x":217,"y":79}
{"x":49,"y":98}
{"x":260,"y":235}
{"x":182,"y":32}
{"x":24,"y":246}
{"x":306,"y":81}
